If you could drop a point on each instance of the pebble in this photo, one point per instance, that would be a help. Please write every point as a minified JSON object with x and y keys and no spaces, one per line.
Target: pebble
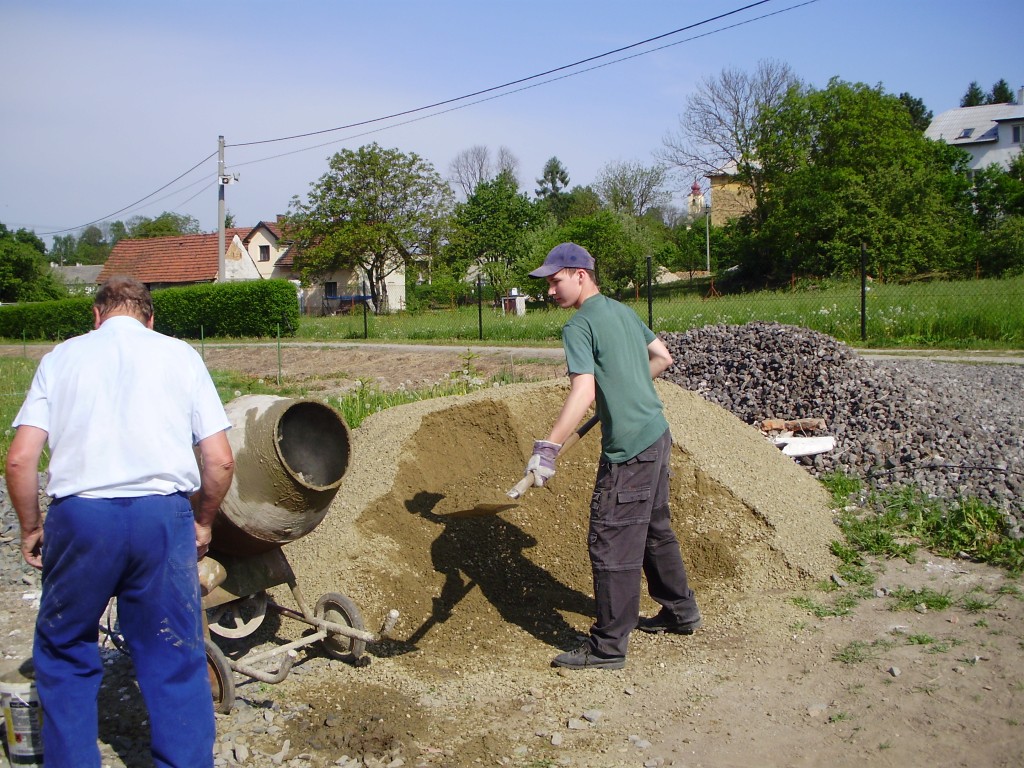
{"x":949,"y":429}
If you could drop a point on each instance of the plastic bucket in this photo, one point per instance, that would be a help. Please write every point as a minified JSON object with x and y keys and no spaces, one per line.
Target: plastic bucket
{"x":23,"y":717}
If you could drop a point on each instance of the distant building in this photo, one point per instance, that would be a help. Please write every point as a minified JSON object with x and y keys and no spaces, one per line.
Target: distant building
{"x":730,"y":198}
{"x":80,"y":279}
{"x":991,"y":133}
{"x":257,"y":253}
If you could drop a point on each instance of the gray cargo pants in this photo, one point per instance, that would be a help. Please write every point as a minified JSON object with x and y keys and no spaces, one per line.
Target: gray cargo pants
{"x":631,"y":532}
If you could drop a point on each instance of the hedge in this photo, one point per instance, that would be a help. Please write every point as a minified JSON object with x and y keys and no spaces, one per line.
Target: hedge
{"x":257,"y":308}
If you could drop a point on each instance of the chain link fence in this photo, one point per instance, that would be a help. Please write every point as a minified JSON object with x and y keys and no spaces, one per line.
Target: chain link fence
{"x":925,"y":312}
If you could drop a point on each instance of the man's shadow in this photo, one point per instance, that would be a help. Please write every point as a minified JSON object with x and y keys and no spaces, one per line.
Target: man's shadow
{"x":487,"y":553}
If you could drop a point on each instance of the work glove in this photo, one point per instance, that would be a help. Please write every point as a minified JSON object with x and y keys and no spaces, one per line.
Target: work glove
{"x":542,"y":462}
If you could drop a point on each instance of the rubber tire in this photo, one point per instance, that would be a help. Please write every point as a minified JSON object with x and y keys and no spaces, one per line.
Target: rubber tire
{"x":339,"y":609}
{"x":222,"y":678}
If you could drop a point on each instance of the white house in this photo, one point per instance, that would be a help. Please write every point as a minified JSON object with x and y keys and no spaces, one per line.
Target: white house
{"x":991,"y":133}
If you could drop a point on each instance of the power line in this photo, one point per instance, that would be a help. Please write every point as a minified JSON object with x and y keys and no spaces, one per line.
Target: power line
{"x":483,"y":92}
{"x":132,"y":205}
{"x":509,"y":93}
{"x":508,"y":84}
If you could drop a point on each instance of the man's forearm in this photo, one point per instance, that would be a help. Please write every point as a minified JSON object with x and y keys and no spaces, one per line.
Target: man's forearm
{"x":23,"y":476}
{"x":216,"y":470}
{"x":215,"y":484}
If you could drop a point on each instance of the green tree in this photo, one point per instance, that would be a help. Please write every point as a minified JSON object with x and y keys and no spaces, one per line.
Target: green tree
{"x":375,"y":210}
{"x":63,"y":250}
{"x":552,"y":186}
{"x":167,"y":224}
{"x":843,"y":167}
{"x":618,"y":243}
{"x":632,"y":188}
{"x":999,"y":212}
{"x":974,"y":97}
{"x":580,"y":201}
{"x":920,"y":115}
{"x":92,"y":247}
{"x":24,"y":270}
{"x":490,"y":230}
{"x":1001,"y":93}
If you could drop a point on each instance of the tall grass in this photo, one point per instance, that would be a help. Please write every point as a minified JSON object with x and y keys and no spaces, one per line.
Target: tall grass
{"x":15,"y":377}
{"x":975,"y":314}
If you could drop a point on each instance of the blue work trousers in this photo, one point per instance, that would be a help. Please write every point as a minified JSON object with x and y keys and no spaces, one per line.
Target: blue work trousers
{"x":631,"y":534}
{"x":141,"y":550}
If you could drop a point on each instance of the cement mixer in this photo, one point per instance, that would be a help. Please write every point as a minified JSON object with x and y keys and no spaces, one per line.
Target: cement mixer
{"x":290,"y":457}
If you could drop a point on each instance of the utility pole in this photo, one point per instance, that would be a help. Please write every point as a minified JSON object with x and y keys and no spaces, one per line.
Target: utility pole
{"x":707,"y":233}
{"x":220,"y":209}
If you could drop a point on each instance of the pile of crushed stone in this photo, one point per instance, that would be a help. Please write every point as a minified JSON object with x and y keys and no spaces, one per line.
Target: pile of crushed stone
{"x":952,"y":430}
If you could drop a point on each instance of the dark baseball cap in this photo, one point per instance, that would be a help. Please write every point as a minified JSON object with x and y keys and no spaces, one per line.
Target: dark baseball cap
{"x":564,"y":256}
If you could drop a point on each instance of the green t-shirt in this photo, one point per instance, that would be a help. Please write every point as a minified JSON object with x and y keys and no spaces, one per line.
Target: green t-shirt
{"x":607,"y":339}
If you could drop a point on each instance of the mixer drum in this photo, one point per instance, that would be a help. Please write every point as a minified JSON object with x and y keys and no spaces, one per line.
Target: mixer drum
{"x":290,"y":458}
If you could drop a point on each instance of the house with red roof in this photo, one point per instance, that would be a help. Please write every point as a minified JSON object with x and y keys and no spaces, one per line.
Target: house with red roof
{"x":256,"y":253}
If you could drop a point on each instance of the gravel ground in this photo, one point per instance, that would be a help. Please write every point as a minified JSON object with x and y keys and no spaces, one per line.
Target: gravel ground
{"x":949,"y":428}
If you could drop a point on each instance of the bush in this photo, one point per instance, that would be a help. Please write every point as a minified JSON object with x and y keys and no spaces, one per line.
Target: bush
{"x":254,"y":308}
{"x":258,"y":308}
{"x":46,"y":320}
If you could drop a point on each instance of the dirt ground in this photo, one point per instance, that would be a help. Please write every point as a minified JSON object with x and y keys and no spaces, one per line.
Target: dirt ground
{"x":486,"y":601}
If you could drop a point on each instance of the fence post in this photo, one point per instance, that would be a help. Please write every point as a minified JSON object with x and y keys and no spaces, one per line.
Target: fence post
{"x":366,"y":327}
{"x":480,"y":305}
{"x":650,"y":305}
{"x":863,"y":292}
{"x":279,"y":354}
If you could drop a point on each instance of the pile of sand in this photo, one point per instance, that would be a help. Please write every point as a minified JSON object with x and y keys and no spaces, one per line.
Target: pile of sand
{"x":749,"y":520}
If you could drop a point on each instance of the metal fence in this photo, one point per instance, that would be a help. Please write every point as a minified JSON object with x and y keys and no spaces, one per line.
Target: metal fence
{"x":925,"y":312}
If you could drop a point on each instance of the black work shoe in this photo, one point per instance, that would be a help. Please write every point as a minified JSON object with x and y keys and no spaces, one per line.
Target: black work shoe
{"x":666,"y":622}
{"x":586,"y":658}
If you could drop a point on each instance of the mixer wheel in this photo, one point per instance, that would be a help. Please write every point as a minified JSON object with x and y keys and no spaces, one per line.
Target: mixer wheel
{"x":239,"y":618}
{"x":222,"y":681}
{"x":339,"y":609}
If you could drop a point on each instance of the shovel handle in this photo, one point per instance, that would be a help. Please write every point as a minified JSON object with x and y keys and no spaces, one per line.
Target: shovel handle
{"x":528,"y":478}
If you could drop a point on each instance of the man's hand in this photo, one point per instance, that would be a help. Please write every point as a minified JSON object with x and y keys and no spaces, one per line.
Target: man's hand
{"x":542,"y":462}
{"x":204,"y":534}
{"x":32,"y":546}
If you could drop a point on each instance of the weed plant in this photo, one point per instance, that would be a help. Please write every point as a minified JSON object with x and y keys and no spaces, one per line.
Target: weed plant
{"x":897,"y":521}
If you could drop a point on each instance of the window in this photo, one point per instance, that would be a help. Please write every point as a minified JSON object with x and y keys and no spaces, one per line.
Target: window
{"x":966,"y":133}
{"x":264,"y":253}
{"x":1016,"y":133}
{"x":331,"y":290}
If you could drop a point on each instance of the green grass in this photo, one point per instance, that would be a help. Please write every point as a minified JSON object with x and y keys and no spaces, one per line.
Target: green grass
{"x":965,"y":314}
{"x":896,"y":522}
{"x":858,"y":651}
{"x":365,"y":399}
{"x":15,"y":378}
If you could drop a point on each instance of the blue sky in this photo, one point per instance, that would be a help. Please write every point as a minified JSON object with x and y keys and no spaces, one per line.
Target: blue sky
{"x":106,"y":102}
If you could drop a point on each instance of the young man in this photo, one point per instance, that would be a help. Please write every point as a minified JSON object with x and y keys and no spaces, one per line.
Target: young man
{"x":121,"y":408}
{"x":613,"y":357}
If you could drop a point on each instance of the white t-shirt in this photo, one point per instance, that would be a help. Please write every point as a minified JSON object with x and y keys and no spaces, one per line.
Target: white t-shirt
{"x":122,"y":407}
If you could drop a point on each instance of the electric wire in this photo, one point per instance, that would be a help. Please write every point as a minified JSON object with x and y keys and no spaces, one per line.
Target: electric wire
{"x":507,"y":93}
{"x":132,"y":205}
{"x":435,"y":105}
{"x":508,"y":84}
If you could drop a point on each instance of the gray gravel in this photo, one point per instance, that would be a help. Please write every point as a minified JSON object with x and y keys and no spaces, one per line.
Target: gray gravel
{"x":953,"y":430}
